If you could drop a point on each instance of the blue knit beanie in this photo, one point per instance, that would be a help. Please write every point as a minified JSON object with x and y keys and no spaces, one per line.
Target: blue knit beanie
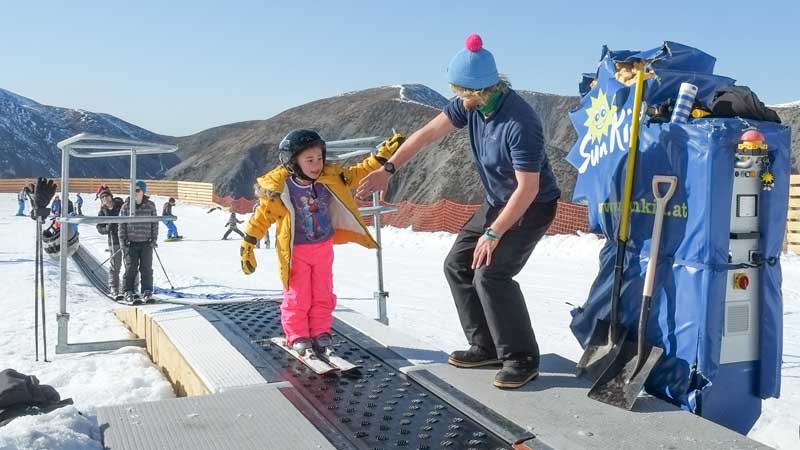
{"x":473,"y":67}
{"x":141,"y":185}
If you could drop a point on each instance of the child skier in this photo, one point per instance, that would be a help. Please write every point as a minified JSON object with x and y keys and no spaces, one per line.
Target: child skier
{"x":172,"y":230}
{"x":111,"y":206}
{"x":313,"y":206}
{"x":55,"y":207}
{"x":21,"y":198}
{"x":79,"y":204}
{"x":231,"y":224}
{"x":138,"y":241}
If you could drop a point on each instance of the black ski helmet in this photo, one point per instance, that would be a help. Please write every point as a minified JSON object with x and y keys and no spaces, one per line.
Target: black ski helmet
{"x":295,"y":142}
{"x":51,"y":240}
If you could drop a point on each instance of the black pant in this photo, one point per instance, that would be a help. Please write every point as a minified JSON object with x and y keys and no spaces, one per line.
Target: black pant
{"x":232,"y":230}
{"x":139,"y":258}
{"x":489,"y":302}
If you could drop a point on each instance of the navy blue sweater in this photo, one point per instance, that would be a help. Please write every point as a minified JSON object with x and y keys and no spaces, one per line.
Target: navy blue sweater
{"x":510,"y":140}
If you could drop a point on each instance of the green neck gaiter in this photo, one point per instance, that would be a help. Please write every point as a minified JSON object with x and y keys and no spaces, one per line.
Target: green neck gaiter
{"x":491,"y":106}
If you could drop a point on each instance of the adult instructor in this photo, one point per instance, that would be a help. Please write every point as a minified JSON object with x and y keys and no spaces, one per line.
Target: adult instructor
{"x":507,"y":143}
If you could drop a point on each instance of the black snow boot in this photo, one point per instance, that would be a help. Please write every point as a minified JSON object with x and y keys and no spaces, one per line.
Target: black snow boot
{"x":147,"y":296}
{"x":323,"y":343}
{"x":132,"y":299}
{"x":517,"y":372}
{"x":474,"y":357}
{"x":302,"y":346}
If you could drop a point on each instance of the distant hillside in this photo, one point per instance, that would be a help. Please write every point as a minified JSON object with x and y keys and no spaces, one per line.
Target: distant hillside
{"x":790,"y":116}
{"x":232,"y":156}
{"x":29,"y":132}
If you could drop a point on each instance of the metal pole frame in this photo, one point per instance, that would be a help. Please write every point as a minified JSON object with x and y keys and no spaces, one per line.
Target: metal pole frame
{"x":113,"y":147}
{"x":380,"y":295}
{"x":355,"y":147}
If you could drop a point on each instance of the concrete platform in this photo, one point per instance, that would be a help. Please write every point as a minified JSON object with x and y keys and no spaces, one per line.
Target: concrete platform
{"x":254,"y":418}
{"x":556,"y":409}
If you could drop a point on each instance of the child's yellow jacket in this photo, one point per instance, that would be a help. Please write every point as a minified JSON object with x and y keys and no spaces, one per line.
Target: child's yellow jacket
{"x":276,"y":207}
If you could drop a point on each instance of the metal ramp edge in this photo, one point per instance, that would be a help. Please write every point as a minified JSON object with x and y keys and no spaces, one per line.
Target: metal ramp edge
{"x":182,"y":343}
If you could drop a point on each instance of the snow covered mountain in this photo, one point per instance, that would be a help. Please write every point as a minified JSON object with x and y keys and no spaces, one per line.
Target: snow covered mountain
{"x":422,"y":95}
{"x":29,"y":132}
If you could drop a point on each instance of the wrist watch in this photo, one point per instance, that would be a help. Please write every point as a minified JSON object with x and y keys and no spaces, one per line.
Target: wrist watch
{"x":491,"y":234}
{"x":389,"y":167}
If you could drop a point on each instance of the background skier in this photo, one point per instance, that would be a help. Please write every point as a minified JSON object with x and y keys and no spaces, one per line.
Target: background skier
{"x":139,"y":240}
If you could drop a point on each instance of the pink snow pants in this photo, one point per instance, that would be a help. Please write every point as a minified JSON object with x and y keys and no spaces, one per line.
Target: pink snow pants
{"x":308,"y":303}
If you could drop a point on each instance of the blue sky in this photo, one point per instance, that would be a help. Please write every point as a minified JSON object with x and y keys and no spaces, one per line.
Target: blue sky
{"x":181,"y":67}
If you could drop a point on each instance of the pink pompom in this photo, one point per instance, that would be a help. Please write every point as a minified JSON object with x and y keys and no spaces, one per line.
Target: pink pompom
{"x":474,"y":43}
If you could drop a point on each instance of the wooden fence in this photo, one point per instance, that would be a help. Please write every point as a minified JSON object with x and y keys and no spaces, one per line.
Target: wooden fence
{"x":792,"y":242}
{"x":186,"y":191}
{"x":203,"y":194}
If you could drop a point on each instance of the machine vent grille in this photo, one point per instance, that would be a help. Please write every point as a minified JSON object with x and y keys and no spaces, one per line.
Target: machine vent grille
{"x":738,"y":318}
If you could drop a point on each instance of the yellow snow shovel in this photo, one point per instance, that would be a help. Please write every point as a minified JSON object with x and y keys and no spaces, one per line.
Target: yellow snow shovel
{"x":605,"y":343}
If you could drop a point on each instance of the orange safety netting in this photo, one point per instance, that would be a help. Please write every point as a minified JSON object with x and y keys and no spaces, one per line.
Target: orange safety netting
{"x":443,"y":215}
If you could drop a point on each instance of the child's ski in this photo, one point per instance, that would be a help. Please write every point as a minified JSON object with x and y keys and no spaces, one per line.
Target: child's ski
{"x":340,"y":363}
{"x":311,"y":359}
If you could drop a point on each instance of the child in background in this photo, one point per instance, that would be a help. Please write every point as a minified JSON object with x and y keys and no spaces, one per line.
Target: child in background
{"x":232,"y":223}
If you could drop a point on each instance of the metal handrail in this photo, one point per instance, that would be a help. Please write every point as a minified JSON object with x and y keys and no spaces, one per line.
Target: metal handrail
{"x":113,"y":219}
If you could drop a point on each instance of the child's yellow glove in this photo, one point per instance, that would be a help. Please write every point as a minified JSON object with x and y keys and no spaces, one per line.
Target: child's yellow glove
{"x":390,"y":146}
{"x":247,"y":254}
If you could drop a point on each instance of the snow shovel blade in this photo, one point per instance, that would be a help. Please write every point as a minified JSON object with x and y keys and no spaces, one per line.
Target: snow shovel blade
{"x":601,"y":351}
{"x":621,"y":384}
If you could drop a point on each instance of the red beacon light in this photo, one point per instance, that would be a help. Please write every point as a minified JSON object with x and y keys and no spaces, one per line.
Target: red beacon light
{"x":752,"y":140}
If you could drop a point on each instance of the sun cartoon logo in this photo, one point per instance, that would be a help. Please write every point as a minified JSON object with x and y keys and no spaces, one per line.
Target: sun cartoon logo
{"x":601,"y":117}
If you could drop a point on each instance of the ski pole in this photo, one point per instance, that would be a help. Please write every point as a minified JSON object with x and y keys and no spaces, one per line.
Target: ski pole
{"x":41,"y":290}
{"x":109,"y":258}
{"x":163,"y":269}
{"x":36,"y":289}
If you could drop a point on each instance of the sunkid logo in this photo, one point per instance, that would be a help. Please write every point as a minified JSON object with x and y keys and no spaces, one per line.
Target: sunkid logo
{"x":607,"y":130}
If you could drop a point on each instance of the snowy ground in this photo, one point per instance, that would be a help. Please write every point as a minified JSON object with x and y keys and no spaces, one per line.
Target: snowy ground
{"x":558,"y":275}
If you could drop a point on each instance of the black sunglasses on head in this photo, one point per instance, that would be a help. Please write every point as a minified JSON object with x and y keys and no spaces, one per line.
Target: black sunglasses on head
{"x":138,"y":190}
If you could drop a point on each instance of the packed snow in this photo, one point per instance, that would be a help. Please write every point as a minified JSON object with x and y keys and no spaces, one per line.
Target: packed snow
{"x":558,"y":276}
{"x":421,"y":95}
{"x":786,"y":105}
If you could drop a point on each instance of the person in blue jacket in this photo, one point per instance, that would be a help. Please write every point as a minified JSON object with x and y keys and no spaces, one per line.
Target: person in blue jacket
{"x":55,"y":207}
{"x":79,"y":204}
{"x":21,"y":198}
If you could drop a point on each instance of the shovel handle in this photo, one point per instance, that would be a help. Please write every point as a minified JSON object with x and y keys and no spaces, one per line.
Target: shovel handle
{"x":664,"y":179}
{"x":655,"y":241}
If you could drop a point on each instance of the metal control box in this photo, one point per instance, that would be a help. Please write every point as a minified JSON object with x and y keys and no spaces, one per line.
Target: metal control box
{"x":741,"y":328}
